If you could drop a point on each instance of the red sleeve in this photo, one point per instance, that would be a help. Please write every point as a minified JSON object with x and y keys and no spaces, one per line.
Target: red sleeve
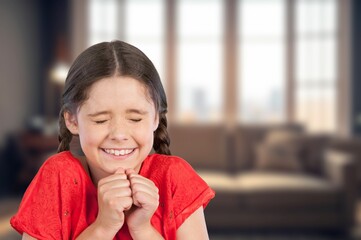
{"x":39,"y":211}
{"x":190,"y":191}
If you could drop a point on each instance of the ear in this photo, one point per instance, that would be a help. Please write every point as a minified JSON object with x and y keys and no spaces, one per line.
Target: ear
{"x":156,"y":122}
{"x":71,"y":122}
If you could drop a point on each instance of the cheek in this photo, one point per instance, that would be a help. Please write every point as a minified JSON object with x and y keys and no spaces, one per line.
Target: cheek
{"x":144,"y":134}
{"x":90,"y":136}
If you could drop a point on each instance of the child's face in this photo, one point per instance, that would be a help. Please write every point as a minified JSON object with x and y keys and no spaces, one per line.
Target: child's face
{"x":115,"y":125}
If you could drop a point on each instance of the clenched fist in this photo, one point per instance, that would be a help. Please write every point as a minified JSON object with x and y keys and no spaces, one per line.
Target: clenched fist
{"x":114,"y":197}
{"x":145,"y":201}
{"x":128,"y":197}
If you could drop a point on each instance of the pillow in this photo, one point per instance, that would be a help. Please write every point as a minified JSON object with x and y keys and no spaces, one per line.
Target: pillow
{"x":278,"y":157}
{"x":279,"y":136}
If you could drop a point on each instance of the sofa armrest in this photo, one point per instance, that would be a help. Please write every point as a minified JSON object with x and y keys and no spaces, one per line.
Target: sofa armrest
{"x":340,"y":169}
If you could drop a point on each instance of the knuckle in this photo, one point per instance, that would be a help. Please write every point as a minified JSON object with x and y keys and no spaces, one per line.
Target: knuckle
{"x":127,"y":203}
{"x":113,"y":203}
{"x":136,"y":194}
{"x":102,"y":190}
{"x":126,"y":183}
{"x":105,"y":197}
{"x":135,"y":186}
{"x":128,"y":192}
{"x":100,"y":183}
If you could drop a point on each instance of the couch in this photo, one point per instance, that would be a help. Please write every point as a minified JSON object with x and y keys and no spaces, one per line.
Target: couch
{"x":318,"y":195}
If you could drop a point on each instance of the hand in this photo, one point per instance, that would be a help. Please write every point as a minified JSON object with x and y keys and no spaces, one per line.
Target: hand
{"x":145,"y":203}
{"x":114,"y":197}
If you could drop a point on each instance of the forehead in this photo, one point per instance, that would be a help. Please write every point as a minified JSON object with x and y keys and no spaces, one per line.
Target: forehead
{"x":118,"y":92}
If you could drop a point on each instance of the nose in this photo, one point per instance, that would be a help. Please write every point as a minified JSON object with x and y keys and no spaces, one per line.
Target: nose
{"x":118,"y":132}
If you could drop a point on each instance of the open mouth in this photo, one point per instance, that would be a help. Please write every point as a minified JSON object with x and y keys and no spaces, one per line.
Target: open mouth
{"x":119,"y":152}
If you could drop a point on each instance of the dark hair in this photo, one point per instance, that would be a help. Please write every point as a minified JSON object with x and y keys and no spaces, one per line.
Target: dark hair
{"x":107,"y":59}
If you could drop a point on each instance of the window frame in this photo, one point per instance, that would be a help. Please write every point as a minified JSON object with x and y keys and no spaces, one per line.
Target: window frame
{"x":230,"y":59}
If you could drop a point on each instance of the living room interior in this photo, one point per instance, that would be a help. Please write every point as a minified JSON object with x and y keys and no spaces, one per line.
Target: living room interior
{"x":263,"y":101}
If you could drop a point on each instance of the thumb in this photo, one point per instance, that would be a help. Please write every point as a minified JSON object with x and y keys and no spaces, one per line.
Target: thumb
{"x":129,"y":171}
{"x":120,"y":170}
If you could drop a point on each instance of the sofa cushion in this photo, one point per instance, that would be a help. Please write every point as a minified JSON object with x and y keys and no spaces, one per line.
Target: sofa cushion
{"x":271,"y":191}
{"x":280,"y":150}
{"x":260,"y":181}
{"x":247,"y":138}
{"x":253,"y":181}
{"x":278,"y":157}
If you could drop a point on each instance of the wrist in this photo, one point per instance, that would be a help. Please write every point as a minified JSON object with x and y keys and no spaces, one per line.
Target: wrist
{"x":96,"y":231}
{"x":105,"y":229}
{"x":145,"y":232}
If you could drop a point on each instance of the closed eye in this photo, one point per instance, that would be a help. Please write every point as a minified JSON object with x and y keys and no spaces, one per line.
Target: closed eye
{"x":100,"y":121}
{"x":135,"y":119}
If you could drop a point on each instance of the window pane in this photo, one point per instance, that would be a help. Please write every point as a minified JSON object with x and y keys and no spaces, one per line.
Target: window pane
{"x":262,"y":18}
{"x":102,"y":21}
{"x":200,"y":18}
{"x":145,"y":18}
{"x":262,"y":64}
{"x":315,"y":59}
{"x":315,"y":16}
{"x":199,"y":73}
{"x":144,"y":28}
{"x":316,"y":107}
{"x":199,"y":85}
{"x":139,"y":22}
{"x":315,"y":69}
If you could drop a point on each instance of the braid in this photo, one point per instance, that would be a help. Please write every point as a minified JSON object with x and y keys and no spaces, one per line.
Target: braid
{"x":65,"y":135}
{"x":161,"y":137}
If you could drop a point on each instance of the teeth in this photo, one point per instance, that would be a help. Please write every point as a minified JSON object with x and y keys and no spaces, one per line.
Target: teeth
{"x":118,"y":152}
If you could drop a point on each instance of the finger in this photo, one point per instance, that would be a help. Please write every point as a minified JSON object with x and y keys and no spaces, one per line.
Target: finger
{"x":114,"y":185}
{"x":116,"y":193}
{"x":136,"y":178}
{"x":139,"y":190}
{"x":113,"y":177}
{"x":120,"y":170}
{"x":145,"y":200}
{"x":121,"y":204}
{"x":127,"y":203}
{"x":139,"y":182}
{"x":144,"y":193}
{"x":129,"y":171}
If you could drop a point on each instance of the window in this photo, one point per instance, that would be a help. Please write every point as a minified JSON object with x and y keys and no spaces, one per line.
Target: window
{"x":284,"y":53}
{"x":315,"y":64}
{"x":199,"y":79}
{"x":139,"y":22}
{"x":144,"y":28}
{"x":102,"y":19}
{"x":261,"y":92}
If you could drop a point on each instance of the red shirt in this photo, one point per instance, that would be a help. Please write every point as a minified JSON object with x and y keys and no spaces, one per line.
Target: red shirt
{"x":61,"y":201}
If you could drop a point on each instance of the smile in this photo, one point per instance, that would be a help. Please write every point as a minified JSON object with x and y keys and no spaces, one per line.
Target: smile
{"x":117,"y":152}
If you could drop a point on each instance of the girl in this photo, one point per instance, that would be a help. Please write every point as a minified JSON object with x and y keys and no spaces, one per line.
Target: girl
{"x":115,"y":103}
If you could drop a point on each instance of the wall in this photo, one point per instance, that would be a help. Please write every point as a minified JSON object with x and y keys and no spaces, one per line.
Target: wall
{"x":356,"y":68}
{"x":19,"y":64}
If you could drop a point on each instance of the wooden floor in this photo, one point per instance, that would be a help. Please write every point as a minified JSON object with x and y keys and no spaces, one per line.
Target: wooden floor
{"x":8,"y":207}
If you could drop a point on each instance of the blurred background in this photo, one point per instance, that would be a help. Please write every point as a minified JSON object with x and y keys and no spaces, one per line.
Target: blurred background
{"x":223,"y":63}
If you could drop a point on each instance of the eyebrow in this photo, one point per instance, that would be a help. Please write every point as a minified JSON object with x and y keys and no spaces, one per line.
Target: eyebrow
{"x":128,"y":111}
{"x":137,"y":111}
{"x":98,"y":113}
